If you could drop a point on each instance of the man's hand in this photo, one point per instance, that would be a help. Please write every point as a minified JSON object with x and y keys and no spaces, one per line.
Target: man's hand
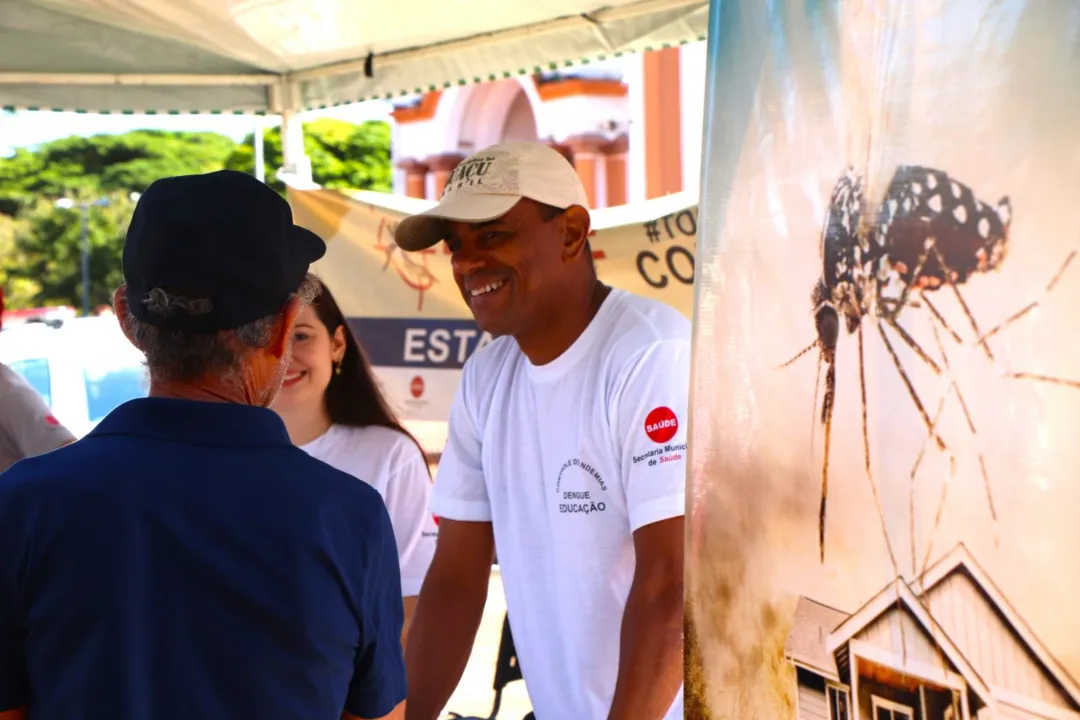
{"x":651,"y":644}
{"x":448,"y":614}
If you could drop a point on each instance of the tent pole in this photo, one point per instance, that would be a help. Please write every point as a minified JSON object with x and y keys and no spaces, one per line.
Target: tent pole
{"x":260,"y":155}
{"x":294,"y":159}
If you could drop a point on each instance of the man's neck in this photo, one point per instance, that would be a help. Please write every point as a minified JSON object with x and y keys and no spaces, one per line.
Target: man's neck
{"x":212,"y":391}
{"x":304,"y":424}
{"x":556,"y":337}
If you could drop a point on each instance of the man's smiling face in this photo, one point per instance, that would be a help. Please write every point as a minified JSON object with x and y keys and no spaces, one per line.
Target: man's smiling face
{"x":508,"y":269}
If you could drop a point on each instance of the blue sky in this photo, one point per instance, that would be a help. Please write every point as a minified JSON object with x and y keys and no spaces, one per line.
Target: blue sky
{"x":25,"y":129}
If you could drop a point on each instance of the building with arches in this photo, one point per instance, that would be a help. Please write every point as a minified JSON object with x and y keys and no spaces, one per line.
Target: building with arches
{"x":631,"y":125}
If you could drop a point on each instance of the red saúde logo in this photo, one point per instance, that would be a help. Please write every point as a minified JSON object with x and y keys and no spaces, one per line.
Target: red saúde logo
{"x":416,"y":387}
{"x":661,"y":424}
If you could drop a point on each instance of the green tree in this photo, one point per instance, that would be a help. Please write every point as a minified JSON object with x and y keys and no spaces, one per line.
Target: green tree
{"x":44,"y":264}
{"x":106,"y":163}
{"x":343,"y":155}
{"x":40,"y":244}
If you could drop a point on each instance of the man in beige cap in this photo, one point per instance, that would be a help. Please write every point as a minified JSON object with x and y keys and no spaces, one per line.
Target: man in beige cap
{"x":566,"y":451}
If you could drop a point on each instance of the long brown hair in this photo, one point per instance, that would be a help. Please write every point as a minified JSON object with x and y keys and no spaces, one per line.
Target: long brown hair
{"x":353,"y":397}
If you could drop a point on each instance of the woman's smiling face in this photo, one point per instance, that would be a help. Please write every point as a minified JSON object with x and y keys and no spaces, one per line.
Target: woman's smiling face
{"x":315,"y":353}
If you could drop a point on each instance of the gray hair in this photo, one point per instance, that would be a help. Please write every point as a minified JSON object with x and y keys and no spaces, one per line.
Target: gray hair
{"x":179,"y":356}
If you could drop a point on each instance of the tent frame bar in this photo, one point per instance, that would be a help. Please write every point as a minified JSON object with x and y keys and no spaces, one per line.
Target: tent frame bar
{"x":27,"y":78}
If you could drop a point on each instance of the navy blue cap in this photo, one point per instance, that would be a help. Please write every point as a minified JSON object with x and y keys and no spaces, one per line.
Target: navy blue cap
{"x":222,"y":235}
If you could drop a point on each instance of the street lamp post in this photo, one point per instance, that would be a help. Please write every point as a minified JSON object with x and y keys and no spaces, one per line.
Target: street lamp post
{"x":84,"y":213}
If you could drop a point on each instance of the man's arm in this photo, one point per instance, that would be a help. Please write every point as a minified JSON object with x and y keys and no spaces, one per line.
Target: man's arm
{"x":409,"y":604}
{"x":651,"y":643}
{"x":27,"y":420}
{"x":650,"y":414}
{"x":448,"y":615}
{"x":378,"y":684}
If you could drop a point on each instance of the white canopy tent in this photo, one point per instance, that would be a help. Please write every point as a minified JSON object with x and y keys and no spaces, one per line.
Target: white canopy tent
{"x":282,"y":57}
{"x":286,"y":56}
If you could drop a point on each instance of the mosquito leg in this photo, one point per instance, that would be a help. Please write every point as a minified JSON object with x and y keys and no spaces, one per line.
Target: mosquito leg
{"x":817,"y":389}
{"x":913,"y":344}
{"x":970,"y":423}
{"x":826,"y":420}
{"x":866,"y":456}
{"x":955,"y":388}
{"x":937,"y":523}
{"x":921,"y":455}
{"x":1034,"y":303}
{"x":938,"y":316}
{"x":948,"y":273}
{"x":900,"y":622}
{"x":911,"y":390}
{"x":802,"y":352}
{"x":890,"y":317}
{"x":862,"y":394}
{"x":903,"y":299}
{"x":1044,"y":378}
{"x":930,"y":425}
{"x":911,"y":485}
{"x":1034,"y":377}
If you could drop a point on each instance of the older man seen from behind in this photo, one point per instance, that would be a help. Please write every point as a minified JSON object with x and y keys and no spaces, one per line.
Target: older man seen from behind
{"x":185,"y":560}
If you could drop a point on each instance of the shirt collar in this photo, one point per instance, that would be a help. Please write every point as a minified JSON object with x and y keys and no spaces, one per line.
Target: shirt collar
{"x":196,"y":423}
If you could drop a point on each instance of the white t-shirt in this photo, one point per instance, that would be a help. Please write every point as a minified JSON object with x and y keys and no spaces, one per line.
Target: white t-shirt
{"x":567,"y":460}
{"x":391,"y":463}
{"x":27,"y":426}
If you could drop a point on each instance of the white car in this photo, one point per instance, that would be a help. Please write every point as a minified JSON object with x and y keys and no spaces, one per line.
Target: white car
{"x":83,"y":368}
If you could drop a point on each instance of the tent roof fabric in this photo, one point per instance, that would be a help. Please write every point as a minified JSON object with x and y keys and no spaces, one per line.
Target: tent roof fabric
{"x":270,"y":56}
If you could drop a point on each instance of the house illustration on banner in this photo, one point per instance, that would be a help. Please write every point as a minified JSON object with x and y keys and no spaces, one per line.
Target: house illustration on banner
{"x":971,"y":657}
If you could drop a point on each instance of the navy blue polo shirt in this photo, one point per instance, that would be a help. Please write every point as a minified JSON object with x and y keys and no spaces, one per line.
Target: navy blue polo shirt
{"x":185,"y":560}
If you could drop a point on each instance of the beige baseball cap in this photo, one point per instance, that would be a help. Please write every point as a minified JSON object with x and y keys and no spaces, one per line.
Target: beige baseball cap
{"x":488,"y":183}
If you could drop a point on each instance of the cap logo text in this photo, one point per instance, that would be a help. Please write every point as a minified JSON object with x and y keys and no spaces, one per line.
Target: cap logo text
{"x":468,"y":173}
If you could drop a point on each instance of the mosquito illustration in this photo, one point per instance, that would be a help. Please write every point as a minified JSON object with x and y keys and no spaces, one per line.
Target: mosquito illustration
{"x":930,"y":231}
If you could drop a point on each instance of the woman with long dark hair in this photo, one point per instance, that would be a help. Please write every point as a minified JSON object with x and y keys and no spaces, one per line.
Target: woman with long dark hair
{"x":333,"y":409}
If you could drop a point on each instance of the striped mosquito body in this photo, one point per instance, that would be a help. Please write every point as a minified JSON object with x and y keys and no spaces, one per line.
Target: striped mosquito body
{"x":929,"y":232}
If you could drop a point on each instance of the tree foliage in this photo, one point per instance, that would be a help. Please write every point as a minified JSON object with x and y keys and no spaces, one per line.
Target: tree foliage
{"x":101,"y":164}
{"x":343,"y":155}
{"x":45,"y":265}
{"x":40,"y":243}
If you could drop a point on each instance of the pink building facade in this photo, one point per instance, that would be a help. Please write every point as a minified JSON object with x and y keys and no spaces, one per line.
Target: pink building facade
{"x":631,"y":125}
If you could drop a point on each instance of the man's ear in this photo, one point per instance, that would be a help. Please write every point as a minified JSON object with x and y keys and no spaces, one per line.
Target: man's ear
{"x":280,"y":344}
{"x":576,"y":227}
{"x":120,"y":310}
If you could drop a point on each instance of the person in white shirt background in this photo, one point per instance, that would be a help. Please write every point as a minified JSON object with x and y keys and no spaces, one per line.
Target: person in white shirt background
{"x":333,"y":409}
{"x":27,"y":426}
{"x":566,"y":452}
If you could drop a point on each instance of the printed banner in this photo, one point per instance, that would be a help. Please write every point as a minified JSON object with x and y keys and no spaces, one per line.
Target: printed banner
{"x":406,"y":309}
{"x":884,"y":500}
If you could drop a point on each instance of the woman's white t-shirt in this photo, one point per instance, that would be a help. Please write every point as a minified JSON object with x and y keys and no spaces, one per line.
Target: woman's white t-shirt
{"x":391,"y":463}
